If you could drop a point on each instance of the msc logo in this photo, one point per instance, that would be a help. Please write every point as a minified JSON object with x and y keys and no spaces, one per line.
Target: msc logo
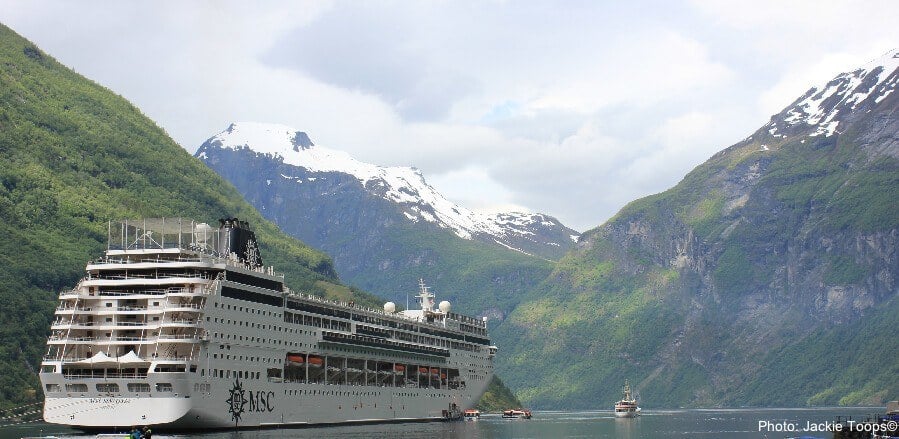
{"x":241,"y":401}
{"x":236,"y":401}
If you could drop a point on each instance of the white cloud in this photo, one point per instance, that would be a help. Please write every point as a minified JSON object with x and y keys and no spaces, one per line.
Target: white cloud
{"x":570,"y":110}
{"x":476,"y":189}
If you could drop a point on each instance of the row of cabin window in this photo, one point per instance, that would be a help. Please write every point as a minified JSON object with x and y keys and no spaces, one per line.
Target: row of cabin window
{"x":339,"y":325}
{"x":236,"y":337}
{"x":222,"y":373}
{"x":241,"y":358}
{"x":294,"y":392}
{"x":111,"y":387}
{"x":247,"y":309}
{"x":247,"y":324}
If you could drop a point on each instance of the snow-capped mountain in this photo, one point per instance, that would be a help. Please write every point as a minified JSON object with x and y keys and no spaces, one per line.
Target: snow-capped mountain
{"x":386,"y":227}
{"x":822,"y":108}
{"x":530,"y":233}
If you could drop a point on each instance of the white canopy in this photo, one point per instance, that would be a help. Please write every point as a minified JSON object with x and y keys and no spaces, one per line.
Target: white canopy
{"x":131,"y":359}
{"x":100,"y":359}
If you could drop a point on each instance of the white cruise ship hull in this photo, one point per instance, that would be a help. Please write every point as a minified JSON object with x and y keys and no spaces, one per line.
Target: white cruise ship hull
{"x":176,"y":336}
{"x":333,"y":404}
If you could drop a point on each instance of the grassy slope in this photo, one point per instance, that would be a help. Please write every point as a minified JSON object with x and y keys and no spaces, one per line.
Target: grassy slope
{"x":614,"y":310}
{"x":75,"y":155}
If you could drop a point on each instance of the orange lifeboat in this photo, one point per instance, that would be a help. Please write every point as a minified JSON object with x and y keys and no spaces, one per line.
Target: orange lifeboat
{"x":316,"y":361}
{"x":295,"y":358}
{"x":423,"y":370}
{"x":399,"y":368}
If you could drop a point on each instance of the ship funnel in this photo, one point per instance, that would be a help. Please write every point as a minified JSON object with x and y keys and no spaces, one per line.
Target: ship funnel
{"x":235,"y":237}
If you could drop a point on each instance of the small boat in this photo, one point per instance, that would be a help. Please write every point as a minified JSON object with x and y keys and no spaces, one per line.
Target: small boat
{"x":517,"y":414}
{"x":472,"y":415}
{"x":627,"y":407}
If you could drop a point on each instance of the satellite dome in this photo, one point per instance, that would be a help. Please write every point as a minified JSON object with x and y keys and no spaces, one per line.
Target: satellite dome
{"x":390,"y":307}
{"x":445,"y":307}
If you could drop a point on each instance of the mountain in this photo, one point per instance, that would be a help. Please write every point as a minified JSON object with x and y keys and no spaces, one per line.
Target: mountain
{"x":75,"y":156}
{"x":386,"y":227}
{"x":285,"y":160}
{"x":769,"y":276}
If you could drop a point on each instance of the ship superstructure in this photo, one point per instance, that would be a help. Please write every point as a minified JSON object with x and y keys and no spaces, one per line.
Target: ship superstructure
{"x":180,"y":325}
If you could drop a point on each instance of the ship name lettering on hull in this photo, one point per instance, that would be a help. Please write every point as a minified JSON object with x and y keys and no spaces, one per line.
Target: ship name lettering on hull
{"x":113,"y":401}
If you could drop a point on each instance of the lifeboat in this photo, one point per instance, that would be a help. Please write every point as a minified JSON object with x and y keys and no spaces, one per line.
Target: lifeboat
{"x":399,"y":368}
{"x":423,"y":370}
{"x":296,"y":358}
{"x":316,"y":361}
{"x":435,"y":370}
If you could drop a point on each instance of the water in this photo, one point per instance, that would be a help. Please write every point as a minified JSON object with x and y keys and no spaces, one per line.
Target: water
{"x":663,"y":424}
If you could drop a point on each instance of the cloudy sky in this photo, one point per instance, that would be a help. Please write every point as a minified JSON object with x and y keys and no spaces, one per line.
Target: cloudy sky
{"x":567,"y":108}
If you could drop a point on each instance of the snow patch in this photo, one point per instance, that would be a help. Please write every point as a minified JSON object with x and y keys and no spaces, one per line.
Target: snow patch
{"x":403,"y":185}
{"x":821,"y":105}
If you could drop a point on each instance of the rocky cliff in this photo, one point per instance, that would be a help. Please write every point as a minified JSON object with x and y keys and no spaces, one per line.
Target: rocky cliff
{"x":768,"y":276}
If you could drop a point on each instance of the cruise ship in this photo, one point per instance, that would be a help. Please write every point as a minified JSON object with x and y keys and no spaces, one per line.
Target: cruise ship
{"x":180,"y":326}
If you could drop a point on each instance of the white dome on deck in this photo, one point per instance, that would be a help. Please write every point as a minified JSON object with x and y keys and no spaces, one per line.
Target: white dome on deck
{"x":390,"y":307}
{"x":445,"y":307}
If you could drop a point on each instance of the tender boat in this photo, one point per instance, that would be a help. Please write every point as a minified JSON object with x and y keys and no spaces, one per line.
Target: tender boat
{"x":627,"y":407}
{"x":472,"y":415}
{"x":517,"y":414}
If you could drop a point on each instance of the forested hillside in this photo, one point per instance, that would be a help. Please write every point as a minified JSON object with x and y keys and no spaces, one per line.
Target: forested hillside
{"x":74,"y":156}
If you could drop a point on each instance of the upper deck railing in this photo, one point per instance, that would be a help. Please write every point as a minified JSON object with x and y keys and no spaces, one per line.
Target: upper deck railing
{"x":163,"y":233}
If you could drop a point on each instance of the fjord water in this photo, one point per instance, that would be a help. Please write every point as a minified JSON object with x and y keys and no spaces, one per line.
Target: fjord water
{"x":662,"y":424}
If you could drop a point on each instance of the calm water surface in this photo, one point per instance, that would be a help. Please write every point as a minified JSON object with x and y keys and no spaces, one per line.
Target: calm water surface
{"x":719,"y":423}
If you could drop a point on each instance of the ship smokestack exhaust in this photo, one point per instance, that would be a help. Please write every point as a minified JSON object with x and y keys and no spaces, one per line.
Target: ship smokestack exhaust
{"x":236,"y":237}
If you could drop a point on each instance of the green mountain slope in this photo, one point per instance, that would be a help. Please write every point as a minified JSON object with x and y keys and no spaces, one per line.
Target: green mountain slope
{"x":75,"y":155}
{"x":498,"y":397}
{"x":766,"y":277}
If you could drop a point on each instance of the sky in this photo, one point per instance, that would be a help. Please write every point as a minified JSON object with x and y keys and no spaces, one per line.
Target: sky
{"x":569,"y":108}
